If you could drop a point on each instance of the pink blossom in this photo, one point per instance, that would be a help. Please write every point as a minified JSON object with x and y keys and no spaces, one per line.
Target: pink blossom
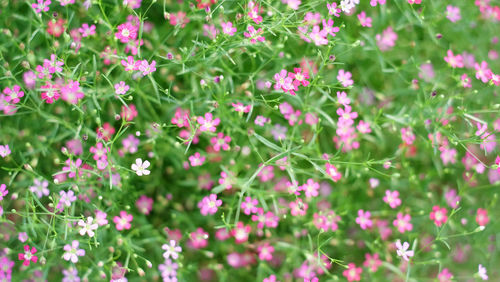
{"x":209,"y":204}
{"x":123,"y":221}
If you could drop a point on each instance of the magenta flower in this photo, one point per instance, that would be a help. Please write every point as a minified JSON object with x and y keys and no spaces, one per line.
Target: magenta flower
{"x":72,"y":252}
{"x":208,"y":123}
{"x":50,"y":92}
{"x":196,"y":159}
{"x":209,"y":204}
{"x":3,"y":191}
{"x":13,"y":95}
{"x":220,"y":142}
{"x":130,"y":64}
{"x":126,"y":32}
{"x":254,"y":35}
{"x":71,"y":92}
{"x":333,"y":172}
{"x":28,"y":255}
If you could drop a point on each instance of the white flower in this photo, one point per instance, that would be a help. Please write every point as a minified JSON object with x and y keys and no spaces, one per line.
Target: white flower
{"x":140,"y":167}
{"x":87,"y":227}
{"x":482,"y":272}
{"x":402,"y":251}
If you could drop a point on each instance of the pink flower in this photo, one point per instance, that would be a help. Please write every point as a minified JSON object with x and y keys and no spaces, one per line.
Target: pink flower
{"x":284,"y":82}
{"x":196,"y":159}
{"x":445,"y":275}
{"x":364,"y":220}
{"x":387,"y":40}
{"x":13,"y":95}
{"x":72,"y":252}
{"x":482,"y":217}
{"x":71,"y":92}
{"x":466,"y":81}
{"x":207,"y":123}
{"x":364,"y":20}
{"x":126,"y":32}
{"x":28,"y":255}
{"x":414,"y":1}
{"x":249,"y":206}
{"x":439,"y":215}
{"x":220,"y":142}
{"x":50,"y":92}
{"x":123,"y":221}
{"x":121,"y":88}
{"x":144,"y":204}
{"x":209,"y":204}
{"x":402,"y":222}
{"x":266,"y":173}
{"x":101,"y":218}
{"x":345,"y":78}
{"x":130,"y":64}
{"x":300,"y":77}
{"x":254,"y":35}
{"x":40,"y":6}
{"x":87,"y":30}
{"x":3,"y":191}
{"x":333,"y":10}
{"x":407,"y":136}
{"x":146,"y":68}
{"x":228,"y":28}
{"x":254,"y":12}
{"x":310,"y":188}
{"x":198,"y":239}
{"x":265,"y":252}
{"x":352,"y":273}
{"x":372,"y":262}
{"x":298,"y":207}
{"x":241,"y":232}
{"x":483,"y":73}
{"x":453,"y":13}
{"x":454,"y":61}
{"x":392,"y":198}
{"x":332,"y":171}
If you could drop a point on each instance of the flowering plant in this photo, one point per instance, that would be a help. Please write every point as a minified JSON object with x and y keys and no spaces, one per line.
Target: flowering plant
{"x":249,"y":140}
